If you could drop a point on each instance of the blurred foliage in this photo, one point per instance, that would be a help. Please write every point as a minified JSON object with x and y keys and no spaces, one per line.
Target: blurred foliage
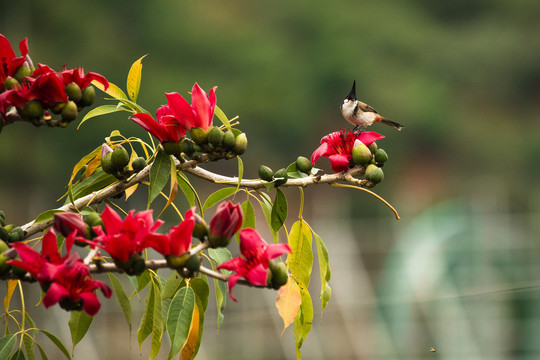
{"x":463,"y":76}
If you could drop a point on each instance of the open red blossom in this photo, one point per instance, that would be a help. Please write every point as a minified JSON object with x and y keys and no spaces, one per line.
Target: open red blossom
{"x":256,"y":255}
{"x":78,"y":77}
{"x":74,"y":288}
{"x":199,"y":113}
{"x":166,"y":128}
{"x":178,"y":240}
{"x":8,"y":62}
{"x":337,"y":147}
{"x":123,"y":238}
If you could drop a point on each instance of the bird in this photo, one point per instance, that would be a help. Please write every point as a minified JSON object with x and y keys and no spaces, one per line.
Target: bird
{"x":361,"y":114}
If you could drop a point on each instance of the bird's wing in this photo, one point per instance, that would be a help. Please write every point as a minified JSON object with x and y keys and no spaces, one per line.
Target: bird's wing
{"x":365,"y":107}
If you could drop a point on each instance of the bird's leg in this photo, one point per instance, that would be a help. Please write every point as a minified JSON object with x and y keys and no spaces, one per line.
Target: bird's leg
{"x":357,"y":131}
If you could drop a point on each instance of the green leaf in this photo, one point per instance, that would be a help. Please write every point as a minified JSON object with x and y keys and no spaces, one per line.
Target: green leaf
{"x":300,"y":260}
{"x":123,"y":300}
{"x":159,"y":175}
{"x":19,"y":355}
{"x":240,"y":171}
{"x":219,"y":256}
{"x":42,"y":352}
{"x":249,"y":215}
{"x":303,"y":321}
{"x":28,"y":346}
{"x":140,"y":281}
{"x":222,"y":117}
{"x":174,"y":282}
{"x":266,"y":207}
{"x":293,"y":172}
{"x":56,"y":342}
{"x":218,"y":196}
{"x":79,"y":322}
{"x":187,"y":188}
{"x":134,"y":79}
{"x":46,"y":216}
{"x":7,"y":344}
{"x":324,"y":271}
{"x":152,"y":321}
{"x":97,"y":181}
{"x":279,"y":211}
{"x":179,"y":318}
{"x":101,"y":110}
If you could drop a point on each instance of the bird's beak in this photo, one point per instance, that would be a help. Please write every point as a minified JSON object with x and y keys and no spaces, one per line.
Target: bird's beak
{"x":352,"y":93}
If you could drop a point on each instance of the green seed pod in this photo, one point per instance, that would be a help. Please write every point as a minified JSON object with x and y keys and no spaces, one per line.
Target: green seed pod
{"x":106,"y":163}
{"x":138,"y":163}
{"x":9,"y":227}
{"x":19,"y":231}
{"x":171,"y":147}
{"x":279,"y":275}
{"x":281,"y":177}
{"x":240,"y":144}
{"x":14,"y":237}
{"x":58,"y":107}
{"x":193,"y":263}
{"x":265,"y":173}
{"x":374,"y":174}
{"x":22,"y":72}
{"x":73,"y":92}
{"x":88,"y":96}
{"x":215,"y":136}
{"x":373,"y":147}
{"x":228,"y":140}
{"x":303,"y":164}
{"x":4,"y":234}
{"x":3,"y":247}
{"x":361,"y":154}
{"x":2,"y":214}
{"x":10,"y":83}
{"x":69,"y":112}
{"x":119,"y":158}
{"x":199,"y":135}
{"x":381,"y":156}
{"x":33,"y":109}
{"x":188,"y":147}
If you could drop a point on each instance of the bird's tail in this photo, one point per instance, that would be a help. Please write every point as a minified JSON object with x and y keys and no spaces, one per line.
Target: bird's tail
{"x":392,"y":124}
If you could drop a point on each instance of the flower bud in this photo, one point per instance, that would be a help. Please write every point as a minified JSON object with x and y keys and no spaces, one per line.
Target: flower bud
{"x":58,"y":107}
{"x":119,"y":158}
{"x":138,"y":163}
{"x":10,"y":83}
{"x":193,"y":263}
{"x":215,"y":136}
{"x":266,"y":173}
{"x":228,"y":140}
{"x":175,"y":262}
{"x":303,"y":165}
{"x":171,"y":147}
{"x":69,"y":112}
{"x":106,"y":161}
{"x":67,"y":222}
{"x":4,"y":266}
{"x":374,"y":174}
{"x":225,"y":223}
{"x":73,"y":91}
{"x":380,"y":156}
{"x":373,"y":147}
{"x":33,"y":109}
{"x":279,"y":275}
{"x":361,"y":154}
{"x":22,"y":72}
{"x":4,"y":234}
{"x":88,"y":96}
{"x":3,"y":247}
{"x":199,"y":135}
{"x":281,"y":177}
{"x":188,"y":147}
{"x":200,"y":230}
{"x":240,"y":144}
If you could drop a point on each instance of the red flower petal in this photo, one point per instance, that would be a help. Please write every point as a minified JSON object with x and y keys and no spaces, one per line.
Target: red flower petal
{"x":91,"y":303}
{"x":181,"y":110}
{"x":339,"y":162}
{"x":55,"y":293}
{"x":152,"y":126}
{"x":257,"y":275}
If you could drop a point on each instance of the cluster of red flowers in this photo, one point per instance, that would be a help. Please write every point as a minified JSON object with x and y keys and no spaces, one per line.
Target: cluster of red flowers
{"x":36,"y":90}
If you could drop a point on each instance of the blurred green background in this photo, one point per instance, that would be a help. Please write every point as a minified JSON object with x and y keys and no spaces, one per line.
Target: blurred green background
{"x":457,"y":273}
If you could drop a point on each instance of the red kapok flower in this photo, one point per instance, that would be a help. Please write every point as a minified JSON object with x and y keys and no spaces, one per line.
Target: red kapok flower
{"x":68,"y":222}
{"x":178,"y":240}
{"x":256,"y":255}
{"x":226,"y":221}
{"x":199,"y":113}
{"x":78,"y":77}
{"x":337,"y":147}
{"x":8,"y":62}
{"x":166,"y":128}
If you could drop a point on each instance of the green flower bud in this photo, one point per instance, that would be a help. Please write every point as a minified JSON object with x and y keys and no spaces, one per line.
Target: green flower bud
{"x":4,"y":234}
{"x":14,"y":237}
{"x":199,"y":135}
{"x":381,"y":156}
{"x":279,"y":275}
{"x":58,"y":107}
{"x":32,"y":110}
{"x":281,"y":177}
{"x":175,"y":262}
{"x":138,"y":267}
{"x":374,"y":174}
{"x":219,"y":241}
{"x":361,"y":154}
{"x":215,"y":136}
{"x":88,"y":96}
{"x":69,"y":112}
{"x":4,"y":266}
{"x":119,"y":158}
{"x":171,"y":147}
{"x":106,"y":163}
{"x":303,"y":164}
{"x":9,"y":227}
{"x":188,"y":147}
{"x":240,"y":144}
{"x":200,"y":230}
{"x":373,"y":147}
{"x":73,"y":91}
{"x":228,"y":140}
{"x":2,"y":214}
{"x":94,"y":219}
{"x":265,"y":173}
{"x":193,"y":263}
{"x":138,"y":163}
{"x":3,"y":247}
{"x":19,"y":231}
{"x":10,"y":83}
{"x":22,"y":72}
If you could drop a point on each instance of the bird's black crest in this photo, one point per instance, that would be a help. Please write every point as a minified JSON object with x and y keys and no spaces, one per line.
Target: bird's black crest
{"x":352,"y":93}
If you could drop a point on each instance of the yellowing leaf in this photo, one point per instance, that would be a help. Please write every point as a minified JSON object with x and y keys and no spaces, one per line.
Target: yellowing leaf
{"x":131,"y":190}
{"x":83,"y":162}
{"x":112,"y":90}
{"x":11,"y":284}
{"x":288,"y":302}
{"x":134,"y":79}
{"x":189,"y":347}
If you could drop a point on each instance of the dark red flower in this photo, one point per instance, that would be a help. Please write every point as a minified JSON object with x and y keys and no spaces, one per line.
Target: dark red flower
{"x":227,"y":220}
{"x":256,"y":255}
{"x":178,"y":240}
{"x":337,"y":147}
{"x":8,"y":62}
{"x":68,"y":222}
